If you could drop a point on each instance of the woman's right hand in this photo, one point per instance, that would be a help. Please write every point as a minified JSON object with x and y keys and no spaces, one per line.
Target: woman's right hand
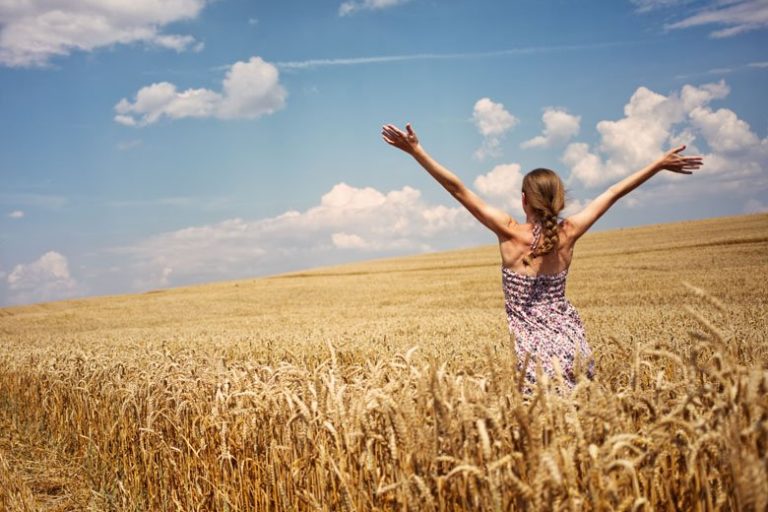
{"x":675,"y":162}
{"x":394,"y":136}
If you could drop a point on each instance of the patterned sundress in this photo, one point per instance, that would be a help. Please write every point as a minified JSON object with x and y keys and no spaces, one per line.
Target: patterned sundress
{"x":545,"y":323}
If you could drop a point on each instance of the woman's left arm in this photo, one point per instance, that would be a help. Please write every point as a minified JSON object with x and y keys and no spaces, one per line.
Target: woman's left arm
{"x":494,"y":219}
{"x":672,"y":160}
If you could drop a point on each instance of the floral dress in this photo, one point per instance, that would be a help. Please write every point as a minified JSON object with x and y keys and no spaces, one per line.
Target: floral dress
{"x":545,"y":323}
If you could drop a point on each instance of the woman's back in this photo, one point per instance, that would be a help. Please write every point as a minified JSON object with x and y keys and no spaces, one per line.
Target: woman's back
{"x":518,"y":246}
{"x":546,"y":326}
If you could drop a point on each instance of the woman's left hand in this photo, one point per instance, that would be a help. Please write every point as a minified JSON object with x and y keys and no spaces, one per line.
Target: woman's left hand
{"x":405,"y":140}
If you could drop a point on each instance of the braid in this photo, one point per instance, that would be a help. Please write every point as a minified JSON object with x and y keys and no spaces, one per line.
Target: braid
{"x":550,"y":231}
{"x":549,"y":238}
{"x":545,"y":195}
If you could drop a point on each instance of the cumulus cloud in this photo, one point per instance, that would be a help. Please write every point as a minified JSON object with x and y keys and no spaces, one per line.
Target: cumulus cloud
{"x":352,"y":6}
{"x":45,"y":279}
{"x":32,"y":33}
{"x":735,"y":158}
{"x":734,"y":16}
{"x":249,"y":90}
{"x":573,"y":205}
{"x":492,"y":121}
{"x":723,"y":130}
{"x":559,"y":128}
{"x":503,"y":185}
{"x":652,"y":122}
{"x":349,"y":241}
{"x":16,"y":214}
{"x":586,"y":166}
{"x":347,"y":219}
{"x":491,"y":118}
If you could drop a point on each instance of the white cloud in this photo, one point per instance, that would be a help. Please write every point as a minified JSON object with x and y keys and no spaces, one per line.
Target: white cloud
{"x":587,"y":167}
{"x":16,"y":214}
{"x":630,"y":142}
{"x":33,"y":32}
{"x":693,"y":97}
{"x":123,"y":119}
{"x":352,"y":6}
{"x":559,"y":128}
{"x":574,"y":206}
{"x":723,"y":130}
{"x":654,"y":122}
{"x":178,"y":43}
{"x":735,"y":158}
{"x":347,"y":241}
{"x":249,"y":90}
{"x":346,"y":219}
{"x":735,"y":16}
{"x":45,"y":279}
{"x":503,"y":184}
{"x":491,"y":118}
{"x":162,"y":99}
{"x":492,"y":121}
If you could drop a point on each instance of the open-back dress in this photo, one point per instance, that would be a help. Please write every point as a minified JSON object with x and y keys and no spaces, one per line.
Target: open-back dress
{"x":545,"y":324}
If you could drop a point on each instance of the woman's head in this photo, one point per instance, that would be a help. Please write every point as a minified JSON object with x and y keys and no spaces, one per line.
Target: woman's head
{"x":544,"y":198}
{"x":544,"y":193}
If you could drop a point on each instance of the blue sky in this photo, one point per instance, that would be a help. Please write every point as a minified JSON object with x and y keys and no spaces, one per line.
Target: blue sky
{"x":147,"y":143}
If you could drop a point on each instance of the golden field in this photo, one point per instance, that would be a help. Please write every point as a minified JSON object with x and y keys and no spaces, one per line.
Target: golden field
{"x":391,"y":385}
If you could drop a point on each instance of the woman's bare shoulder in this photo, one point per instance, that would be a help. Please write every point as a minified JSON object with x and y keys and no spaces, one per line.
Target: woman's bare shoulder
{"x":567,"y":231}
{"x":516,"y":230}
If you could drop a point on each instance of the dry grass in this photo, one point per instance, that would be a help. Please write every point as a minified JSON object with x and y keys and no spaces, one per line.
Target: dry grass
{"x":391,"y":385}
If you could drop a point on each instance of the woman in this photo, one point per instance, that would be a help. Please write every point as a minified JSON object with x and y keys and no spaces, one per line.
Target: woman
{"x":536,"y":255}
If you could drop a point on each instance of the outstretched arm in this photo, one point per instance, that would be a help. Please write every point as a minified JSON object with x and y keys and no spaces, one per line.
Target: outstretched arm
{"x":492,"y":218}
{"x":577,"y":224}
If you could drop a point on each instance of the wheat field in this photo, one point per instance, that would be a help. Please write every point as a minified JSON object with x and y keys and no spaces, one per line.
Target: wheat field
{"x":391,"y":385}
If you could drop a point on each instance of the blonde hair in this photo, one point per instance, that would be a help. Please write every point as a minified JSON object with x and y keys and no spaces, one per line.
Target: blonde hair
{"x":545,"y":195}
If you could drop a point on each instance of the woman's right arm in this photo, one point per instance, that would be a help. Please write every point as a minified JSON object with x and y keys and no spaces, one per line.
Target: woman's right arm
{"x":578,"y":224}
{"x":492,"y":218}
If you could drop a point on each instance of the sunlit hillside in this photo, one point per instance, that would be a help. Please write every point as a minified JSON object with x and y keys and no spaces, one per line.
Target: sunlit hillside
{"x":390,"y":385}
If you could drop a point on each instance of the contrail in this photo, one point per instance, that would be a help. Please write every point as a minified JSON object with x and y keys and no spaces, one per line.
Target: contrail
{"x":317,"y":63}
